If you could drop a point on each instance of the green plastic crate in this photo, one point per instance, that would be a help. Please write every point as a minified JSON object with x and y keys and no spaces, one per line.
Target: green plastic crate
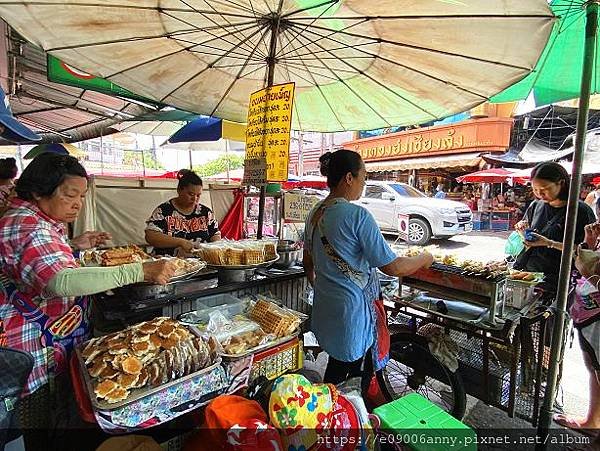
{"x":416,"y":423}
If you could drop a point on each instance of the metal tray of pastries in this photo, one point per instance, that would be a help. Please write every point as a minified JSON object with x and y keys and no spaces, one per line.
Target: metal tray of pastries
{"x":142,"y":360}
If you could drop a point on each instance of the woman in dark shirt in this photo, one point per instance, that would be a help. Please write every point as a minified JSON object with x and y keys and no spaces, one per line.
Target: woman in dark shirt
{"x":546,"y":216}
{"x":179,"y":224}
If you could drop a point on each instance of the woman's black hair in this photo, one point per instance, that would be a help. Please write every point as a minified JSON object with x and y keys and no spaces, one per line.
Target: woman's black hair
{"x":45,"y":173}
{"x":553,"y":172}
{"x":187,"y":178}
{"x":8,"y":168}
{"x":335,"y":165}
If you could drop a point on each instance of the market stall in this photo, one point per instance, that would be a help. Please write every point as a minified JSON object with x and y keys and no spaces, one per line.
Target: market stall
{"x":164,"y":350}
{"x":493,"y":345}
{"x":492,"y":209}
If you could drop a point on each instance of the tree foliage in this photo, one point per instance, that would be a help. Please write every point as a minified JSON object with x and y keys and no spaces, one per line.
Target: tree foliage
{"x":134,"y":158}
{"x":220,"y":165}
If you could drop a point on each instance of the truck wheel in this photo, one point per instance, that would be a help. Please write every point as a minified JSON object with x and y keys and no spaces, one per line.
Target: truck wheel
{"x":419,"y":232}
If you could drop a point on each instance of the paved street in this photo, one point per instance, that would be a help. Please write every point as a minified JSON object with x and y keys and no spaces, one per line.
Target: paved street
{"x":490,"y":246}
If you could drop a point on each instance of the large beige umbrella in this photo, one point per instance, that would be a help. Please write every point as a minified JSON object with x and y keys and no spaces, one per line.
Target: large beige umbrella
{"x":357,"y":64}
{"x":154,"y":128}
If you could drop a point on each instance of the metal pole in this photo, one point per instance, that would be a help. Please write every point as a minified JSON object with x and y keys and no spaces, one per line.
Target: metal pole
{"x":101,"y":154}
{"x":300,"y":154}
{"x":190,"y":156}
{"x":591,"y":29}
{"x":270,"y":75}
{"x":227,"y":158}
{"x":20,"y":157}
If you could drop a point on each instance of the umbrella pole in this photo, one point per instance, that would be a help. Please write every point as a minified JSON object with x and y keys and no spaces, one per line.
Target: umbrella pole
{"x":556,"y":350}
{"x":270,"y":76}
{"x":227,"y":158}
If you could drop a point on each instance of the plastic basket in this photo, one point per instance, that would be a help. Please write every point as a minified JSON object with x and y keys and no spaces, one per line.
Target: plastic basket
{"x":278,"y":360}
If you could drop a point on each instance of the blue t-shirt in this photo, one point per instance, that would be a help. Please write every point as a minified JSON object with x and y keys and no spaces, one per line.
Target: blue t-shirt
{"x":440,"y":195}
{"x":341,"y":315}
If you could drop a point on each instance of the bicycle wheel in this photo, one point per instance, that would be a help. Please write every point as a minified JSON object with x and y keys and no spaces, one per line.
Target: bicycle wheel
{"x":414,"y":369}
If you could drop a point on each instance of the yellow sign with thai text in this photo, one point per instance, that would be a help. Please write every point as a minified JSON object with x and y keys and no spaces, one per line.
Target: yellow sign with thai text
{"x":268,"y":135}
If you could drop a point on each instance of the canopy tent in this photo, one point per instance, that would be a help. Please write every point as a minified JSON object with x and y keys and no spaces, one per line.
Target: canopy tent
{"x":524,"y":175}
{"x":211,"y":133}
{"x":543,"y":134}
{"x":533,"y":153}
{"x":154,"y":128}
{"x":496,"y":175}
{"x":206,"y":128}
{"x":463,"y":160}
{"x":221,"y":145}
{"x":357,"y":64}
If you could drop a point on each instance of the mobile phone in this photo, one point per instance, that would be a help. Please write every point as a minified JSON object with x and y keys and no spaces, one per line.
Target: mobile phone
{"x":529,"y":235}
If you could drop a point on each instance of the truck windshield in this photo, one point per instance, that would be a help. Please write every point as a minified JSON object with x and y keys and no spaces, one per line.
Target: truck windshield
{"x":406,"y":190}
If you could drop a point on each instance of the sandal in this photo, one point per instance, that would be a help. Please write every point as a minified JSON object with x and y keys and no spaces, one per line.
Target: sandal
{"x":573,"y":424}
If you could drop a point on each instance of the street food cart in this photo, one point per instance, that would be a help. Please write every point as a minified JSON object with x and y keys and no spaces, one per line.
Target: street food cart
{"x":491,"y":338}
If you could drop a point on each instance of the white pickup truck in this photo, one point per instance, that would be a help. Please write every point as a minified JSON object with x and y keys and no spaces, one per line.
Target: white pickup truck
{"x":429,"y":217}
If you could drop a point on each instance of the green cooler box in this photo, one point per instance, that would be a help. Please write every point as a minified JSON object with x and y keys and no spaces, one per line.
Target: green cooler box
{"x":416,"y":423}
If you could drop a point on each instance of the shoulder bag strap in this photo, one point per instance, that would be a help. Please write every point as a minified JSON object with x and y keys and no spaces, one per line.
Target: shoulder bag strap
{"x":356,"y":276}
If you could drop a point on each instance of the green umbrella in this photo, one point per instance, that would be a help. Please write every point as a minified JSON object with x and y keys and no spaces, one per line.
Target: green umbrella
{"x":557,"y":75}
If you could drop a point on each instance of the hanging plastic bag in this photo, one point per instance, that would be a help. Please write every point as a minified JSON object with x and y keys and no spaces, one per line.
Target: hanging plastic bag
{"x":514,"y":244}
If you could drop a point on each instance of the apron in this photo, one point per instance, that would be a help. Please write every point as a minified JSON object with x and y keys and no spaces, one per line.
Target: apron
{"x":368,"y":283}
{"x":57,"y":336}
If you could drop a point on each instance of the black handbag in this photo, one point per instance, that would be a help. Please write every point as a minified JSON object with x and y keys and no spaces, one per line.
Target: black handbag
{"x":16,"y":367}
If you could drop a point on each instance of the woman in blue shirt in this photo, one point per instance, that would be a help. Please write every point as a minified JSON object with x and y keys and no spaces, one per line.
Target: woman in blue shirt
{"x":343,"y":248}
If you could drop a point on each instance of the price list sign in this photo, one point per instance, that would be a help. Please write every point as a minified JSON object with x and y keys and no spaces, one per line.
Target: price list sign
{"x":268,"y":135}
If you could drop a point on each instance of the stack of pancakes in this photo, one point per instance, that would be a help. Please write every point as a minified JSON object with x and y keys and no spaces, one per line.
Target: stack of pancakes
{"x":151,"y":353}
{"x":234,"y":253}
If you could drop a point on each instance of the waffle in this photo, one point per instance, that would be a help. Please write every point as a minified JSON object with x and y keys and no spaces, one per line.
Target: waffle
{"x":259,"y":309}
{"x":272,"y":319}
{"x":235,"y":256}
{"x":214,"y":255}
{"x":270,"y":251}
{"x":253,"y":256}
{"x":275,"y":323}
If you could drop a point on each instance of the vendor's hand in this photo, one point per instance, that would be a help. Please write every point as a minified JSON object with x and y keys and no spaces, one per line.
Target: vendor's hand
{"x":521,"y":226}
{"x":592,"y":234}
{"x":88,"y":240}
{"x":186,"y":246}
{"x":159,"y":271}
{"x":181,"y":253}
